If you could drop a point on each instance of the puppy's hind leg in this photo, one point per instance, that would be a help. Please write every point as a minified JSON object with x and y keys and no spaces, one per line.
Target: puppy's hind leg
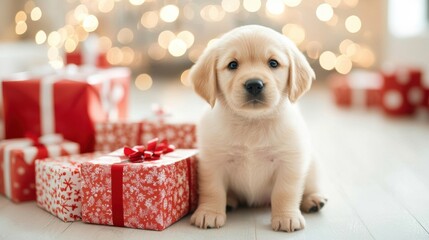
{"x":312,"y":200}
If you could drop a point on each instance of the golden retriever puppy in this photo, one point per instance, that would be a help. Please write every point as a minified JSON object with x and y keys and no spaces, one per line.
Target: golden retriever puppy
{"x":254,"y":145}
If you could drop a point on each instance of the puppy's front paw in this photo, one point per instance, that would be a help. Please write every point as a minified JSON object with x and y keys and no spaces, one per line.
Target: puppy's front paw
{"x":288,"y":222}
{"x":203,"y":218}
{"x":313,"y":203}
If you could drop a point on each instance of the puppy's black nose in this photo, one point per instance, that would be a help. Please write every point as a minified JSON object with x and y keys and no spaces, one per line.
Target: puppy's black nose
{"x":254,"y":86}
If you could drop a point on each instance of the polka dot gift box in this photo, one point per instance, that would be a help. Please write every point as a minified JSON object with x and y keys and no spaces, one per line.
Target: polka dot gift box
{"x":402,"y":91}
{"x":122,"y":189}
{"x":17,"y":164}
{"x":58,"y":184}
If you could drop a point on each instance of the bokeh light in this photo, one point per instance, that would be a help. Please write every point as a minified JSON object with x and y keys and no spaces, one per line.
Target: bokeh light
{"x":125,"y":36}
{"x":353,"y":24}
{"x":106,"y":6}
{"x":187,"y":37}
{"x":105,"y":44}
{"x":252,"y":5}
{"x":169,"y":13}
{"x":127,"y":55}
{"x":143,"y":82}
{"x":295,"y":32}
{"x":36,"y":14}
{"x":292,"y":3}
{"x":165,"y":38}
{"x":313,"y":49}
{"x":54,"y":39}
{"x":40,"y":37}
{"x":275,"y":7}
{"x":324,"y":12}
{"x":149,"y":19}
{"x":70,"y":45}
{"x":20,"y":28}
{"x":20,"y":16}
{"x":212,"y":13}
{"x":343,"y":64}
{"x":90,"y":23}
{"x":177,"y":47}
{"x":327,"y":60}
{"x":156,"y":52}
{"x":114,"y":56}
{"x":137,"y":2}
{"x":184,"y":78}
{"x":351,"y":3}
{"x":230,"y":5}
{"x":80,"y":12}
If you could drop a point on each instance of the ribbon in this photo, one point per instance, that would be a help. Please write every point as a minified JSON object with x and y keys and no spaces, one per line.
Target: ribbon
{"x":137,"y":154}
{"x":152,"y":151}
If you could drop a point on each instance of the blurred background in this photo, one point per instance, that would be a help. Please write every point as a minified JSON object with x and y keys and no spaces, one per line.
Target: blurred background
{"x":160,"y":40}
{"x":149,"y":36}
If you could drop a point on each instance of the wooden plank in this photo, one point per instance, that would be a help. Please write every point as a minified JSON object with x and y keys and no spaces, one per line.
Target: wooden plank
{"x":27,"y":221}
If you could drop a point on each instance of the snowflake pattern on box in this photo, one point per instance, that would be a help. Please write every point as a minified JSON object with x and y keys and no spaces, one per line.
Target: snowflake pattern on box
{"x":58,"y":184}
{"x":112,"y":136}
{"x":180,"y":135}
{"x":155,"y":194}
{"x":21,"y":166}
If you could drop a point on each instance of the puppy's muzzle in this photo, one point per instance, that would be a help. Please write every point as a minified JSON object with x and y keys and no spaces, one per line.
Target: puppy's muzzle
{"x":254,"y":86}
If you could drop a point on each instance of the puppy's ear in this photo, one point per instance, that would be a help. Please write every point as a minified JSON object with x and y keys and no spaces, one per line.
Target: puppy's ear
{"x":204,"y":77}
{"x":301,"y":74}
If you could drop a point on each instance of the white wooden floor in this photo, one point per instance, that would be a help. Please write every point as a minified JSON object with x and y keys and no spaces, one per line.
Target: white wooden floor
{"x":376,"y":178}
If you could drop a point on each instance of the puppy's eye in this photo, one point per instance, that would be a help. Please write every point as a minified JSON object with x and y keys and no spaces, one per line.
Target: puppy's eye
{"x":273,"y":63}
{"x":233,"y":65}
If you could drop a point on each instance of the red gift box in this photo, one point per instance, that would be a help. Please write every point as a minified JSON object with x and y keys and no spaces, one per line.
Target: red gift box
{"x":77,"y":58}
{"x":402,"y":91}
{"x":181,"y":135}
{"x":110,"y":136}
{"x":147,"y":195}
{"x":359,"y":88}
{"x":17,"y":167}
{"x":67,"y":102}
{"x":58,"y":184}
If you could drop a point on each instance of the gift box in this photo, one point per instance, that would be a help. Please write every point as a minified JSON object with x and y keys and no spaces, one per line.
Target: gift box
{"x":181,"y":135}
{"x":359,"y":88}
{"x":17,"y":164}
{"x":402,"y":91}
{"x":77,"y":58}
{"x":88,"y":53}
{"x":147,"y":195}
{"x":66,"y":102}
{"x":58,"y":185}
{"x":110,"y":136}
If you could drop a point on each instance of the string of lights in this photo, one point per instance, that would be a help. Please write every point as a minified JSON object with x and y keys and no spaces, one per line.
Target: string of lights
{"x":169,"y":30}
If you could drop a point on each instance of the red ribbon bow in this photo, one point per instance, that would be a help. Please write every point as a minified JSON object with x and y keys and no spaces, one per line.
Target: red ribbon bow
{"x":152,"y":151}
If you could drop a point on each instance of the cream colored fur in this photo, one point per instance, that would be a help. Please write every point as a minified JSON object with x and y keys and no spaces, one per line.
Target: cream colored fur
{"x":255,"y":153}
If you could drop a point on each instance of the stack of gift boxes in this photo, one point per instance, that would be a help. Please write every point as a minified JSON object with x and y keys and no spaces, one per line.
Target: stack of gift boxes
{"x":398,"y":92}
{"x":64,"y":135}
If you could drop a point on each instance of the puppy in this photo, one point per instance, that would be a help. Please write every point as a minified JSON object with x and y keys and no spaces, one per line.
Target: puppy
{"x":254,"y":145}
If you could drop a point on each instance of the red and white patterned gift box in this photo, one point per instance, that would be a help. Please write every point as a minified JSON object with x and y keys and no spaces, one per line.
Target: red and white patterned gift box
{"x":359,"y":88}
{"x":67,"y":102}
{"x":181,"y":135}
{"x":17,"y":165}
{"x":58,"y":184}
{"x":147,"y":195}
{"x":402,"y":91}
{"x":110,"y":136}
